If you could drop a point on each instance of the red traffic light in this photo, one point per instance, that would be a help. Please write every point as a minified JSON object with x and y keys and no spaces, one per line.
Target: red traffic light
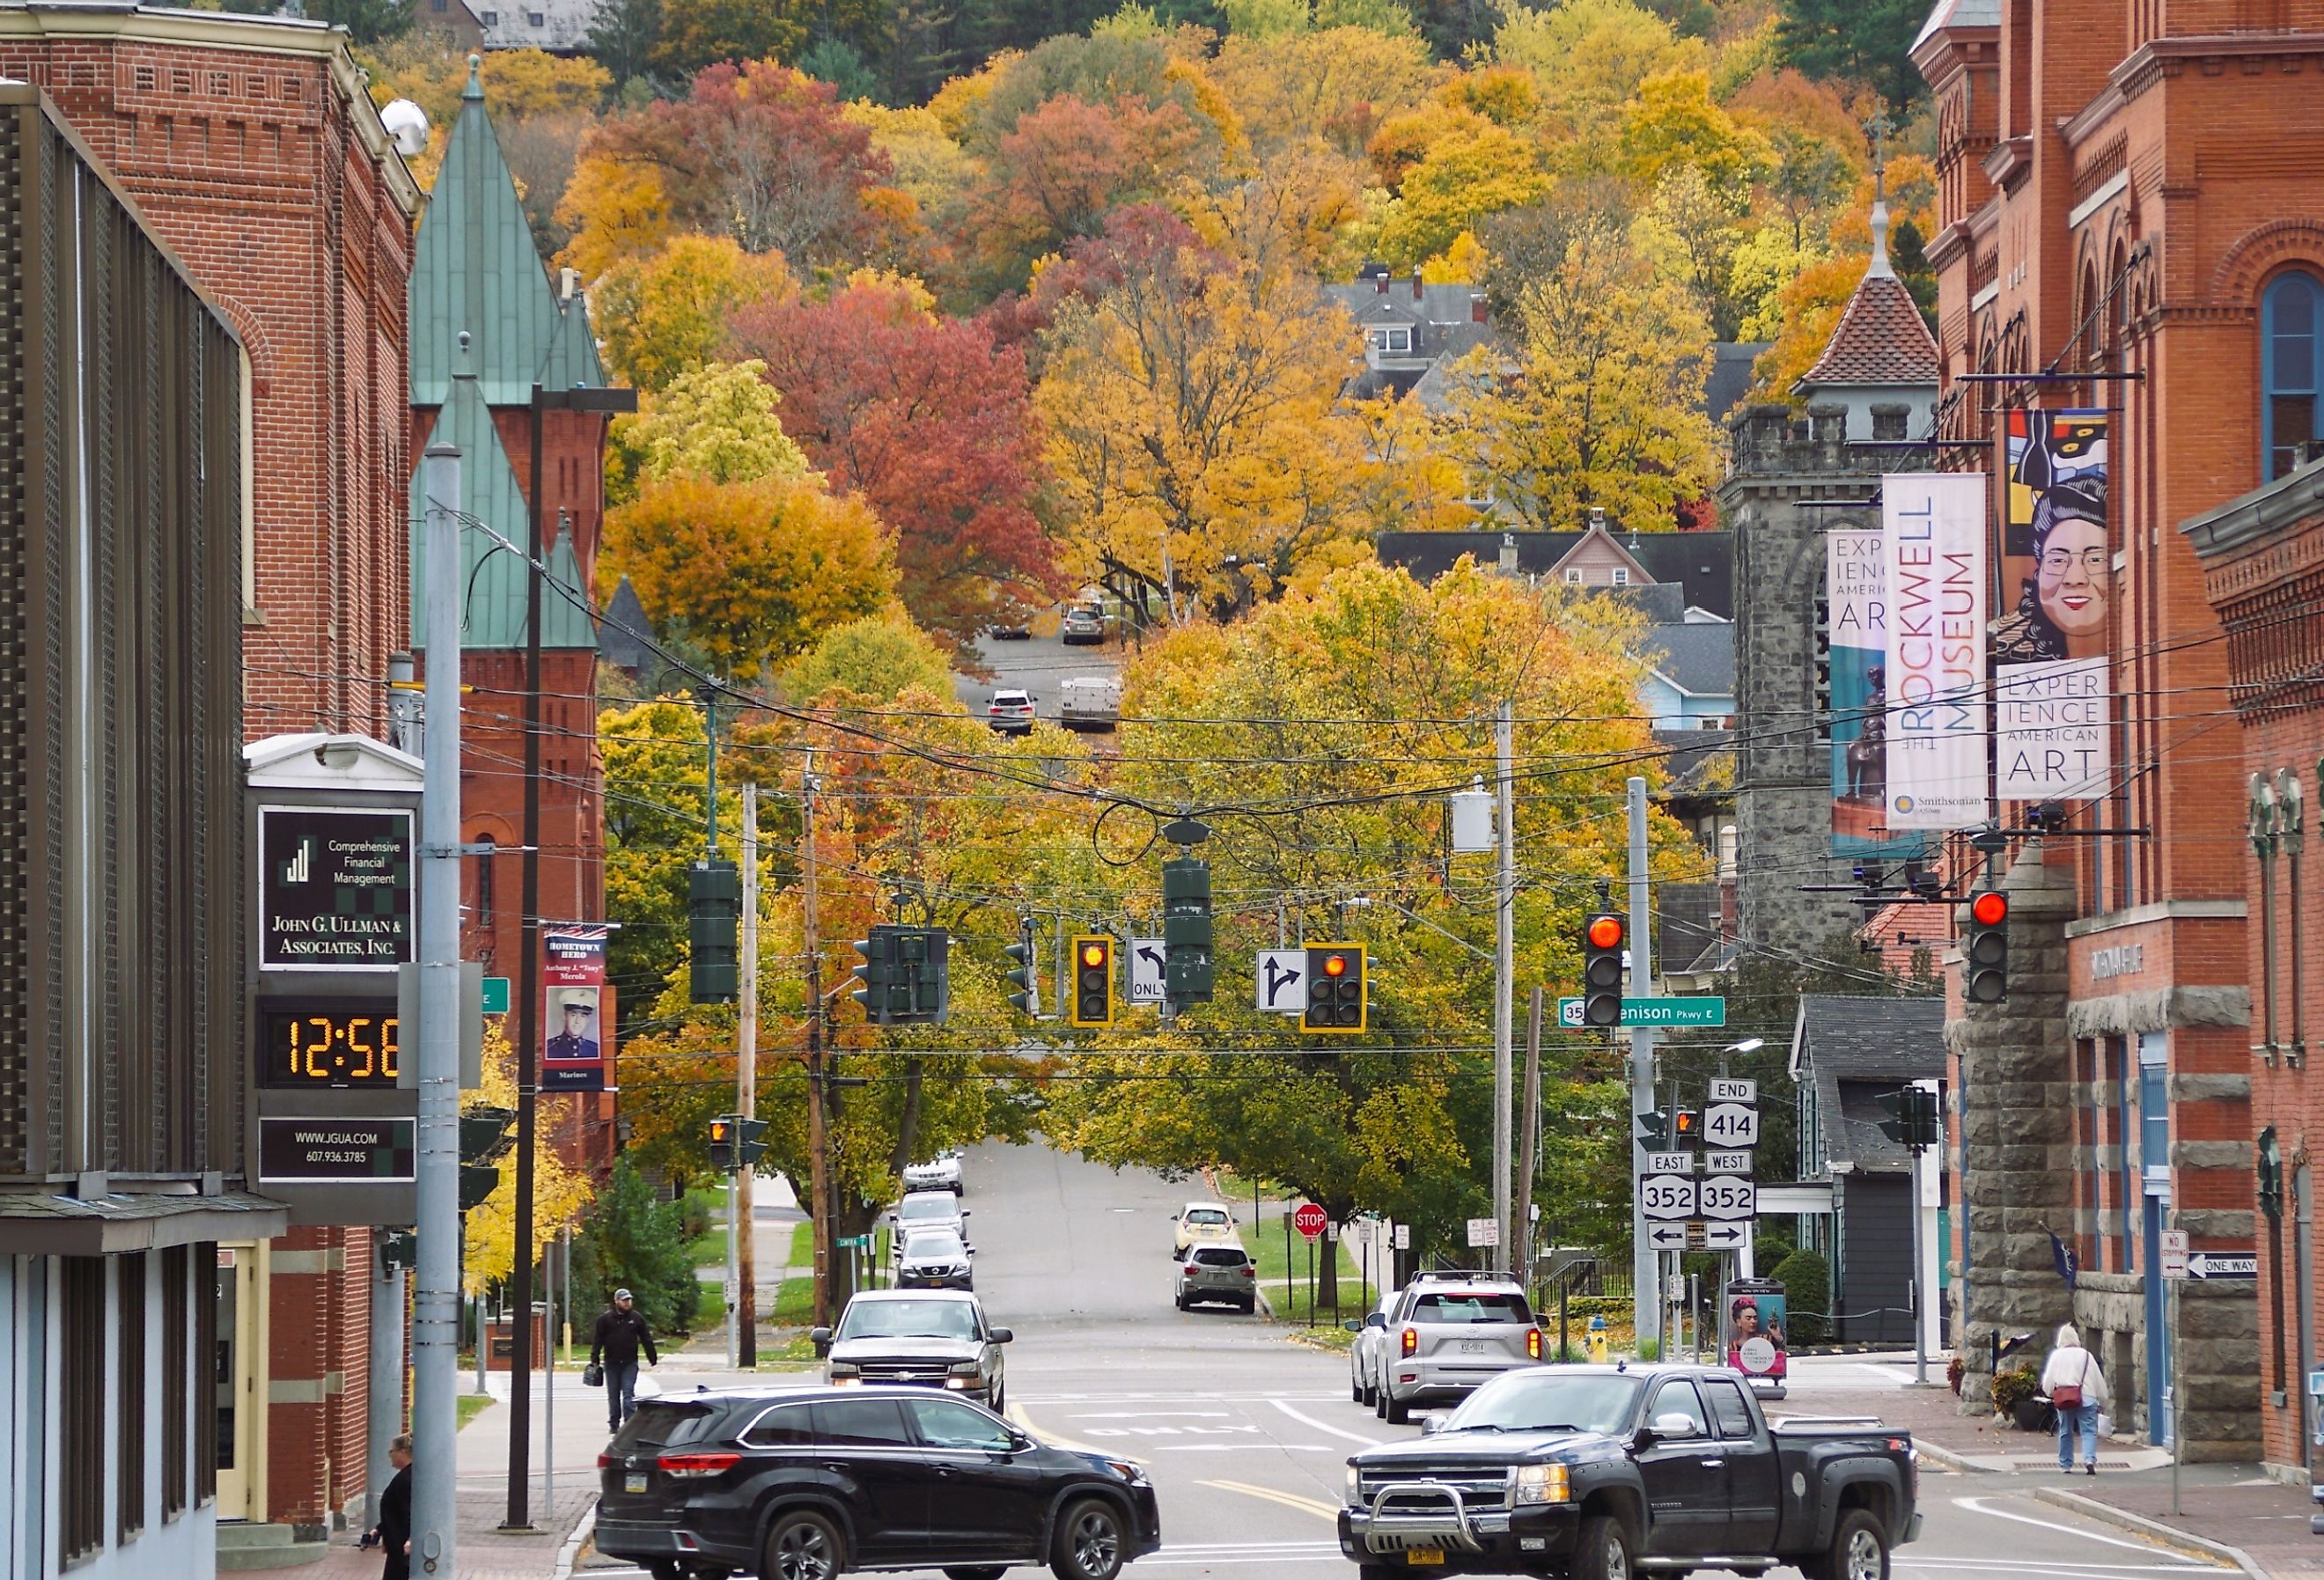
{"x":1989,"y":909}
{"x":1335,"y":965}
{"x":1092,"y":954}
{"x":717,"y":1129}
{"x":1605,"y":932}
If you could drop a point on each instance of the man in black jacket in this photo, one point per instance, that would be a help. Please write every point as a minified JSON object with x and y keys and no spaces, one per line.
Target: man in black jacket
{"x":394,"y":1532}
{"x":614,"y":1344}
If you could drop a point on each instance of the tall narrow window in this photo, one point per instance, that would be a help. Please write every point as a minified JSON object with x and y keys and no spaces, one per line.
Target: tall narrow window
{"x":486,"y":860}
{"x":80,"y":1529}
{"x":2291,"y":370}
{"x":177,"y":1378}
{"x":130,"y":1445}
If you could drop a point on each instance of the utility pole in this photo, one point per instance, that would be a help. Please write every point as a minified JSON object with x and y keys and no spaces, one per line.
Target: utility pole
{"x":436,"y":1313}
{"x":817,"y":1140}
{"x":1645,"y":1266}
{"x":1504,"y":979}
{"x":746,"y":1081}
{"x":1529,"y":1150}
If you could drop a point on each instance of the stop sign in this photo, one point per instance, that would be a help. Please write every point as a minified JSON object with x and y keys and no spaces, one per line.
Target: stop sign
{"x":1310,"y":1219}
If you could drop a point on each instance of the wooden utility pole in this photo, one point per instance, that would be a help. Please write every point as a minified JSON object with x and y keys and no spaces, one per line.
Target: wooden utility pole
{"x":746,"y":1081}
{"x":1529,"y":1149}
{"x":817,"y":1141}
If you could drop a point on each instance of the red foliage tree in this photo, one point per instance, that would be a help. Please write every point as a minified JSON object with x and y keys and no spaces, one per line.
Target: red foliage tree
{"x":930,"y":420}
{"x":1066,"y":165}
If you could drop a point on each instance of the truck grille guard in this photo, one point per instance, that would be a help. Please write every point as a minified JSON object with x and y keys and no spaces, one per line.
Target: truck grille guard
{"x":1388,"y":1531}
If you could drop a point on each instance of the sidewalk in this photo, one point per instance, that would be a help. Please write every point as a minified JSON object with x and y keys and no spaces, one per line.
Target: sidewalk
{"x":2227,"y":1509}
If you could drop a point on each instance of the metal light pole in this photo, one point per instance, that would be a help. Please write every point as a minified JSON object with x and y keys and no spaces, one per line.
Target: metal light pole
{"x":1504,"y":980}
{"x":1645,"y":1298}
{"x":746,"y":1081}
{"x":436,"y":1314}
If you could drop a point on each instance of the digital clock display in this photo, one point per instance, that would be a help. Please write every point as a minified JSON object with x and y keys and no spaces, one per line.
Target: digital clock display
{"x":340,"y":1042}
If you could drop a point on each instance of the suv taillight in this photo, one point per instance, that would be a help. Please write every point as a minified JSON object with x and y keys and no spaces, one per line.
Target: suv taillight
{"x":1190,"y":1270}
{"x":1533,"y":1342}
{"x":607,"y":1462}
{"x":1249,"y":1271}
{"x":691,"y":1465}
{"x":1411,"y":1341}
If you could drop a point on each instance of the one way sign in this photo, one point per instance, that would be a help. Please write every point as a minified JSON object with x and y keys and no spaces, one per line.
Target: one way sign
{"x":2211,"y":1264}
{"x":1283,"y":981}
{"x":1146,"y":959}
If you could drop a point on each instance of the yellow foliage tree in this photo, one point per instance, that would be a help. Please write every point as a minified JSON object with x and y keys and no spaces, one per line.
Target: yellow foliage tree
{"x":431,"y":70}
{"x":717,"y":422}
{"x":1480,"y":169}
{"x":1672,"y":123}
{"x":930,"y":167}
{"x":1588,"y":57}
{"x":1334,"y":83}
{"x":668,"y":314}
{"x":559,"y":1194}
{"x":618,"y":211}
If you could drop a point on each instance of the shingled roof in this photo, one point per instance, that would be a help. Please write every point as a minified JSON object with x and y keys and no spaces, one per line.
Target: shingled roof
{"x":1882,"y":339}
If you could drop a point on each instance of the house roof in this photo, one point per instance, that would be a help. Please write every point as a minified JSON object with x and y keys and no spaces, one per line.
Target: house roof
{"x":1703,"y":563}
{"x":1881,"y":340}
{"x":620,"y":633}
{"x":1697,"y":659}
{"x":1959,"y":13}
{"x":476,"y":270}
{"x":572,"y":361}
{"x":494,"y":579}
{"x":1730,"y":377}
{"x":559,"y":26}
{"x":1438,"y":304}
{"x":1857,"y":1050}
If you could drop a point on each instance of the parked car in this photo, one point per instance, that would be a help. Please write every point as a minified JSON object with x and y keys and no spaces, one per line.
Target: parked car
{"x":803,"y":1483}
{"x":1013,"y":629}
{"x":1451,"y":1332}
{"x":1594,"y":1471}
{"x":1216,"y":1274}
{"x":1364,"y":1351}
{"x":926,"y":1209}
{"x":1084,"y":626}
{"x":1089,"y":702}
{"x":1198,"y":1222}
{"x":926,"y":1338}
{"x":1011,"y":712}
{"x":941,"y":1172}
{"x":933,"y":1259}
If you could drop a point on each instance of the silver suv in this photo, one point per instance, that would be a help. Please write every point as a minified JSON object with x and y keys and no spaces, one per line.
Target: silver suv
{"x":1222,"y":1273}
{"x":1449,"y":1332}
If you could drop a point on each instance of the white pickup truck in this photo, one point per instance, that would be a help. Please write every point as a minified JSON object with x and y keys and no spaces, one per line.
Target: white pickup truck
{"x":1089,"y":702}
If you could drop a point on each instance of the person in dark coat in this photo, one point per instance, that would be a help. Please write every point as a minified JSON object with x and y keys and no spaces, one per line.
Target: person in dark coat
{"x":394,"y":1532}
{"x":620,"y":1334}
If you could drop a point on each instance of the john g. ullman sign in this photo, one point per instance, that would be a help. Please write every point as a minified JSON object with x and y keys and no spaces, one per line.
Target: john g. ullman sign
{"x":334,"y":887}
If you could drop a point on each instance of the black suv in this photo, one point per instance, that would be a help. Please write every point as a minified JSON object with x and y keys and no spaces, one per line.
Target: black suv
{"x":802,"y":1483}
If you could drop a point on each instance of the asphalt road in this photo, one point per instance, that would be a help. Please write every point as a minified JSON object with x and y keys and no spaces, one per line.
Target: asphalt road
{"x":1037,"y":665}
{"x":1245,"y":1433}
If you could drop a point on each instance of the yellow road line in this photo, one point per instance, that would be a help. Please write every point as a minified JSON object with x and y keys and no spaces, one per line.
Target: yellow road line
{"x":1288,"y":1500}
{"x":1017,"y":1414}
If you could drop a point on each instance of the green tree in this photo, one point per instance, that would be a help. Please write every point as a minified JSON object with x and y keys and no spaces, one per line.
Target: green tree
{"x":717,"y":422}
{"x":623,"y":35}
{"x":632,"y":1242}
{"x":878,"y":659}
{"x":1868,"y":42}
{"x":368,"y":22}
{"x":1806,"y":1279}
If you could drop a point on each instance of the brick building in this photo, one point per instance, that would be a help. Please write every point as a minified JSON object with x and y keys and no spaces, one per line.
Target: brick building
{"x":252,"y":149}
{"x":2117,"y":214}
{"x":2263,"y":557}
{"x":477,"y":275}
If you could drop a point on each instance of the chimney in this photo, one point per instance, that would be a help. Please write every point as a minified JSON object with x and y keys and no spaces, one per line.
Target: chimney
{"x":1415,"y":283}
{"x":1508,"y":562}
{"x":1477,"y":308}
{"x":569,"y":284}
{"x":1380,"y":282}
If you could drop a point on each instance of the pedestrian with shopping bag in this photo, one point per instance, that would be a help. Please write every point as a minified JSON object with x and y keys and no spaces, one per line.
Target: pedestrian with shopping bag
{"x":2076,"y":1388}
{"x":620,"y":1334}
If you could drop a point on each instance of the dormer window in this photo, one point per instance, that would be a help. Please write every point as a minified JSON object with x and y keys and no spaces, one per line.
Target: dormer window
{"x":1621,"y":576}
{"x":1392,"y":339}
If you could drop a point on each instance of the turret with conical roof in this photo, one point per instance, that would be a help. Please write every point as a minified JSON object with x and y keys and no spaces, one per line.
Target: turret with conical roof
{"x":1880,"y":364}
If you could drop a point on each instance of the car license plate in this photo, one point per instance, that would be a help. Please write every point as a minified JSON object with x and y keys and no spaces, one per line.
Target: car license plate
{"x":1475,"y":1346}
{"x":635,"y":1481}
{"x":1425,"y":1557}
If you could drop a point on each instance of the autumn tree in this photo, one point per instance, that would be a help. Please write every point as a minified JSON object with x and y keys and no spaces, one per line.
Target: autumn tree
{"x":749,"y":574}
{"x":1589,"y":57}
{"x":717,"y":423}
{"x":561,"y":1195}
{"x":878,"y":658}
{"x":669,"y":314}
{"x":699,"y":34}
{"x":1190,"y":413}
{"x":1334,"y":84}
{"x":1865,"y":41}
{"x":929,"y":421}
{"x":1480,"y":169}
{"x":1599,"y":402}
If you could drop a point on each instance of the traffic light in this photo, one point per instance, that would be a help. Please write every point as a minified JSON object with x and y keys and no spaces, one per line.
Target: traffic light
{"x":1337,"y":992}
{"x":1092,"y":1002}
{"x":1186,"y":931}
{"x":722,"y":1144}
{"x":1601,"y":969}
{"x":1985,"y":950}
{"x":750,"y":1140}
{"x":1652,"y":1129}
{"x":714,"y":915}
{"x":1915,"y":1118}
{"x":878,"y":971}
{"x":1686,"y":1129}
{"x":920,"y":992}
{"x":484,"y":1140}
{"x":1024,"y":975}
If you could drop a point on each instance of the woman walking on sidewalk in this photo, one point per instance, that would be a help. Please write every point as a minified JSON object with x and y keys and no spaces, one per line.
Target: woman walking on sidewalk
{"x":2076,"y":1387}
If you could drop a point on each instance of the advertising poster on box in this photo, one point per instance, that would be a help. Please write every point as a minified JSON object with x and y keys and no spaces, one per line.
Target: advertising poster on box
{"x":576,"y":1046}
{"x":2051,"y":641}
{"x":1753,"y":1319}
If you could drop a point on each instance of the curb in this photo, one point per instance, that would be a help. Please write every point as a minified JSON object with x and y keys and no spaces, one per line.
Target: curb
{"x":1949,"y":1459}
{"x":2154,"y":1530}
{"x":570,"y":1553}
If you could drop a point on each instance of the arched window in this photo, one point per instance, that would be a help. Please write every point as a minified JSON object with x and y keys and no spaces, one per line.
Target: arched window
{"x":2292,"y":371}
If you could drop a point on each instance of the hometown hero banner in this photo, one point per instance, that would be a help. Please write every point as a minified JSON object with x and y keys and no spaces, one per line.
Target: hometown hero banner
{"x":577,"y":1029}
{"x":1937,"y":713}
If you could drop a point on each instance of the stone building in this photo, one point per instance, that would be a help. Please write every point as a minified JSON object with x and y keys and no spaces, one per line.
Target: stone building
{"x":252,"y":149}
{"x":2263,"y":555}
{"x":2116,"y":231}
{"x":1791,"y":477}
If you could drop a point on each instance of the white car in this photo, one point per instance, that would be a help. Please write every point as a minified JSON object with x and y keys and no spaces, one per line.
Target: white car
{"x":941,"y":1172}
{"x":926,"y":1209}
{"x":1011,"y":712}
{"x":1201,"y":1223}
{"x":1366,"y":1354}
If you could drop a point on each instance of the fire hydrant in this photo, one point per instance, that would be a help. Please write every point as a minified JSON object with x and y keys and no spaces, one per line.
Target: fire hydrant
{"x":1601,"y":1352}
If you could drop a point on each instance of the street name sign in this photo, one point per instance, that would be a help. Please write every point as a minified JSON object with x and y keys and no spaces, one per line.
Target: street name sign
{"x":1282,"y":981}
{"x":1146,"y":959}
{"x":2209,"y":1264}
{"x":1727,"y":1089}
{"x":496,"y":995}
{"x":1727,"y":1160}
{"x":1670,"y":1162}
{"x":1727,"y":1199}
{"x":1675,"y":1011}
{"x":1666,"y":1196}
{"x":1731,"y":1125}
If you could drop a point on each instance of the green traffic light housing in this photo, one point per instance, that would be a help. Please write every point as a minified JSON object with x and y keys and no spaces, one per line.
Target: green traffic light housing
{"x":714,"y":916}
{"x":1186,"y":934}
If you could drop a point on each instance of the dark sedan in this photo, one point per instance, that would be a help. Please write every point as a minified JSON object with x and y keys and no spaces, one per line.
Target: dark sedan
{"x":933,"y":1259}
{"x":803,"y":1483}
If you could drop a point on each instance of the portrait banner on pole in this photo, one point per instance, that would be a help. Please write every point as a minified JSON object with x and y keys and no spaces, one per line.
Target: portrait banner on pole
{"x":2051,"y":649}
{"x":1937,"y":712}
{"x":576,"y":1043}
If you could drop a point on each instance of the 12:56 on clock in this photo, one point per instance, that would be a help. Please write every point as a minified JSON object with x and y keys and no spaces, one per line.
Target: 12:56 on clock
{"x":339,"y":1043}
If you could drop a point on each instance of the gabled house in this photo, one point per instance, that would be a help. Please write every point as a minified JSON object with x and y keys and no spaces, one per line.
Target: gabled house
{"x":1411,"y":328}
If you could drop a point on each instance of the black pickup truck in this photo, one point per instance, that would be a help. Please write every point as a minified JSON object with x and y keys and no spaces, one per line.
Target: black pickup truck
{"x":1596,"y":1473}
